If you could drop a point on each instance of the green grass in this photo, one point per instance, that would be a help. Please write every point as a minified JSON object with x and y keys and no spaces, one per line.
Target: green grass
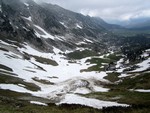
{"x":42,"y":81}
{"x":121,"y":93}
{"x":45,"y":61}
{"x":92,"y":68}
{"x":41,"y":59}
{"x":12,"y":94}
{"x":81,"y":54}
{"x":114,"y":57}
{"x":113,"y":77}
{"x":10,"y":104}
{"x":140,"y":102}
{"x":138,"y":82}
{"x":13,"y":102}
{"x":21,"y":96}
{"x":72,"y":61}
{"x":6,"y":79}
{"x":8,"y":72}
{"x":123,"y":96}
{"x":98,"y":63}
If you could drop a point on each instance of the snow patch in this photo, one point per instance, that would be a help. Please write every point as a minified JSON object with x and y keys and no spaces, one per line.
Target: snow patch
{"x":26,"y":29}
{"x":143,"y":65}
{"x":95,"y":103}
{"x":78,"y":26}
{"x":26,"y":4}
{"x":88,"y":40}
{"x":21,"y":85}
{"x":56,"y":51}
{"x":2,"y":42}
{"x":142,"y":90}
{"x":80,"y":43}
{"x":7,"y":44}
{"x":38,"y":103}
{"x":123,"y":75}
{"x":100,"y":89}
{"x":148,"y":50}
{"x":0,"y":8}
{"x":13,"y":87}
{"x":44,"y":33}
{"x":119,"y":63}
{"x":82,"y":91}
{"x":28,"y":18}
{"x":63,"y":24}
{"x":145,"y":55}
{"x":120,"y":70}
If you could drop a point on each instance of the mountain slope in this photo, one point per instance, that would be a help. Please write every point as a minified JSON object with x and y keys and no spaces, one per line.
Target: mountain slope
{"x":39,"y":24}
{"x":106,"y":25}
{"x":52,"y":55}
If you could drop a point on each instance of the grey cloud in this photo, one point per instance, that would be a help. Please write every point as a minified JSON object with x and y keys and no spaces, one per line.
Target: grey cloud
{"x":107,"y":9}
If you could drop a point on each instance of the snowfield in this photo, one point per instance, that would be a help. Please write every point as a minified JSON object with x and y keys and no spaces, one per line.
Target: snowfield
{"x":66,"y":77}
{"x":67,"y":80}
{"x":75,"y":99}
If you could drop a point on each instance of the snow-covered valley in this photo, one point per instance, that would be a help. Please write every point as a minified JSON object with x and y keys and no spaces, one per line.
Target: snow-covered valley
{"x":62,"y":83}
{"x":66,"y":77}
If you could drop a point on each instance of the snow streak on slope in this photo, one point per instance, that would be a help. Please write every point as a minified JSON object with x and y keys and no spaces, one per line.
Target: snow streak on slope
{"x":142,"y":90}
{"x":26,"y":4}
{"x":44,"y":33}
{"x":0,"y":8}
{"x":78,"y":26}
{"x":63,"y":24}
{"x":38,"y":103}
{"x":29,"y":18}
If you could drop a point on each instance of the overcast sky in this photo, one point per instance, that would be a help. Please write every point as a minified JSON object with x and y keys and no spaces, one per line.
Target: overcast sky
{"x":108,"y":9}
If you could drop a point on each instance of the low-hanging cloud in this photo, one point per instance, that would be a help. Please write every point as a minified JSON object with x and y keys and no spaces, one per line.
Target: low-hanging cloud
{"x":121,"y":10}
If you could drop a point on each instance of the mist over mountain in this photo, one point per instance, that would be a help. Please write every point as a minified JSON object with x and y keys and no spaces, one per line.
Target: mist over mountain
{"x":142,"y":23}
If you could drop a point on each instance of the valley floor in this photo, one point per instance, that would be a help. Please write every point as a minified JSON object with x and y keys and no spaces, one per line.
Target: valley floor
{"x":32,"y":81}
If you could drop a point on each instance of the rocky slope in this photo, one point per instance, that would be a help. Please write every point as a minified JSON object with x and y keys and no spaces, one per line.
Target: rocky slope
{"x":47,"y":25}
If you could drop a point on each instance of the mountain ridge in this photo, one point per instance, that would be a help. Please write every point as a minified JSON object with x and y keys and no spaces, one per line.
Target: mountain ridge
{"x":35,"y":20}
